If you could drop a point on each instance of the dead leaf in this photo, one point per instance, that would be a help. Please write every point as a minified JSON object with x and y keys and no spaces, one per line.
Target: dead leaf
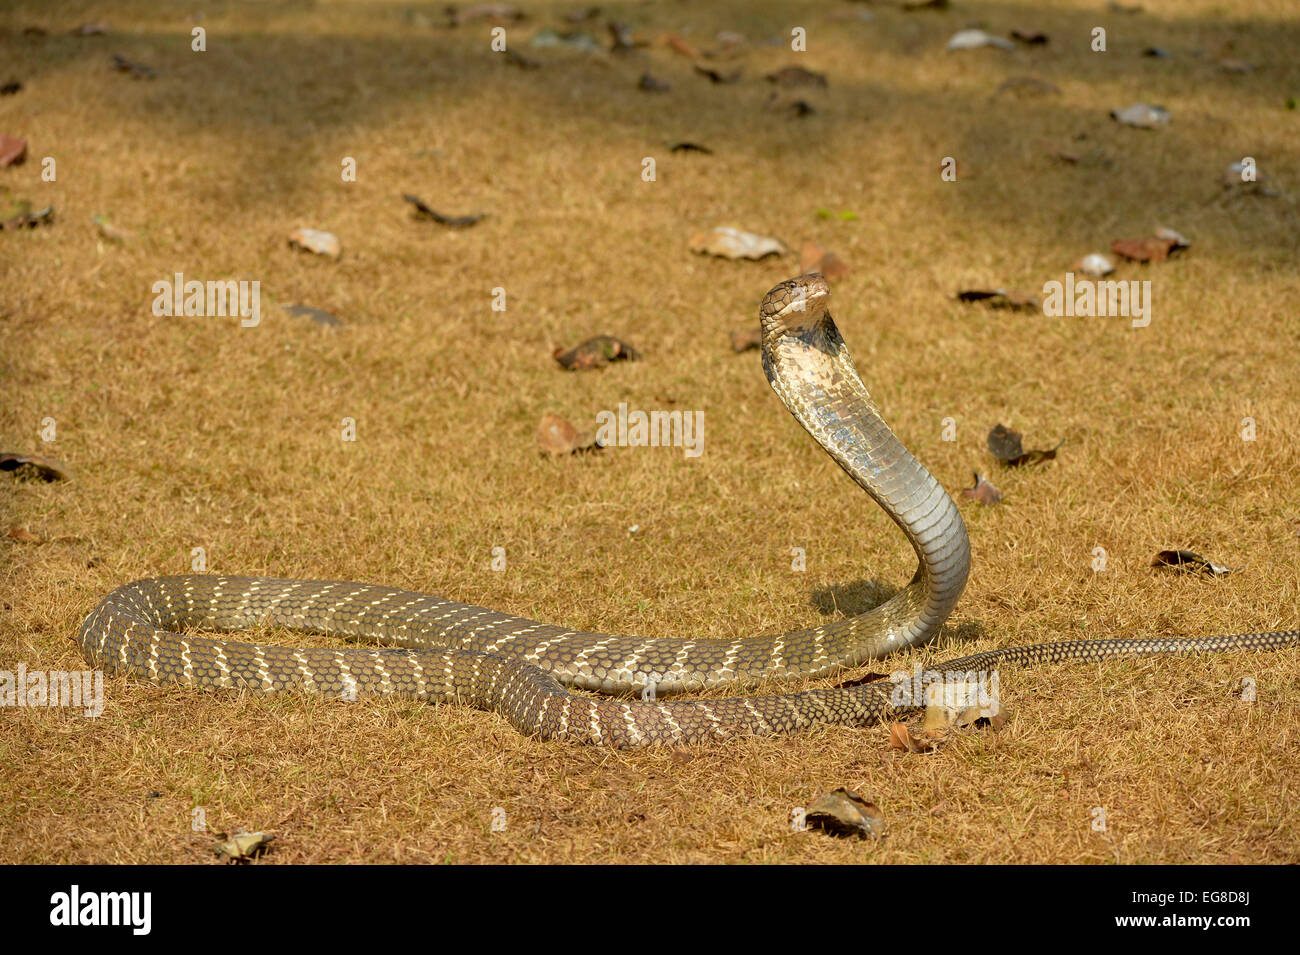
{"x":1232,"y":179}
{"x":746,"y":339}
{"x":1141,"y":116}
{"x":1006,"y":447}
{"x":314,"y":240}
{"x":785,"y":103}
{"x":974,"y":39}
{"x":1096,"y":265}
{"x":690,"y":148}
{"x":595,"y":353}
{"x":913,"y":6}
{"x":681,"y":46}
{"x":731,"y":243}
{"x":19,"y":215}
{"x":1001,"y":298}
{"x":243,"y":846}
{"x":1186,"y":560}
{"x":34,"y":465}
{"x":10,"y":88}
{"x":137,"y":70}
{"x":958,"y":703}
{"x":844,"y":813}
{"x":22,"y":534}
{"x":317,"y":315}
{"x":1147,"y":249}
{"x":12,"y":150}
{"x":982,"y":491}
{"x":794,"y":76}
{"x":557,"y":436}
{"x":650,"y":84}
{"x":900,"y":737}
{"x":1179,"y":240}
{"x":109,"y":231}
{"x":714,"y":76}
{"x":1029,"y":37}
{"x":813,"y":258}
{"x":456,"y":222}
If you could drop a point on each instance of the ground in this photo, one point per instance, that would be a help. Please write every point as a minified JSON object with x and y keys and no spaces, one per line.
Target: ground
{"x":197,"y":432}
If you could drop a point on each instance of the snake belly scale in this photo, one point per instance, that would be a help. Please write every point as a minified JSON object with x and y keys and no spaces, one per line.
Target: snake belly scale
{"x":442,"y":651}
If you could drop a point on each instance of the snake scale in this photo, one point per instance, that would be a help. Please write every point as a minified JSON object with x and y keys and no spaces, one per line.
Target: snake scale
{"x":440,"y":651}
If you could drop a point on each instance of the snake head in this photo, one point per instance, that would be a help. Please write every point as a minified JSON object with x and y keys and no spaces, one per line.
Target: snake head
{"x":794,"y":304}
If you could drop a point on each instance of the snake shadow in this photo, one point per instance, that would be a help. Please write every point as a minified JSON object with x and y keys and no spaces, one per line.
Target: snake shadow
{"x":859,"y":596}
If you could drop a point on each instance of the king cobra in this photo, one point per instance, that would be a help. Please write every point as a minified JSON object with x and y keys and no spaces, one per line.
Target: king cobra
{"x":439,"y":651}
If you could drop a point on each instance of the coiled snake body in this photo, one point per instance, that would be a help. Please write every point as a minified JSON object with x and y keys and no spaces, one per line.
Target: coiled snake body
{"x":442,"y":651}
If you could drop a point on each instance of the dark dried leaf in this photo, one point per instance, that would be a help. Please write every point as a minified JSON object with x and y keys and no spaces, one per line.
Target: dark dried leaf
{"x":690,"y":148}
{"x":714,"y":76}
{"x":10,"y":88}
{"x":1029,"y":37}
{"x":1001,"y":298}
{"x":1006,"y":447}
{"x":33,"y":465}
{"x":650,"y":84}
{"x":844,"y":813}
{"x":1187,"y":560}
{"x":596,"y":352}
{"x":456,"y":222}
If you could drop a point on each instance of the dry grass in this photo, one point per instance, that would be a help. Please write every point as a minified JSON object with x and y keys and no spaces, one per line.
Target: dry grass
{"x":195,"y":432}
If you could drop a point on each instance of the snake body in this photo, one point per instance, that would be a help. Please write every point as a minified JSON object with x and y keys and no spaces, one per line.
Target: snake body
{"x":442,"y":651}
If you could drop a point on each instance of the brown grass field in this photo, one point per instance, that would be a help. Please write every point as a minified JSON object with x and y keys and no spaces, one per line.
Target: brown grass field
{"x":196,"y":432}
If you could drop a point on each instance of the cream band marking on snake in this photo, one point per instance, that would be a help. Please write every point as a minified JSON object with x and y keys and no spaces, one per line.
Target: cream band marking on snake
{"x":522,"y":669}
